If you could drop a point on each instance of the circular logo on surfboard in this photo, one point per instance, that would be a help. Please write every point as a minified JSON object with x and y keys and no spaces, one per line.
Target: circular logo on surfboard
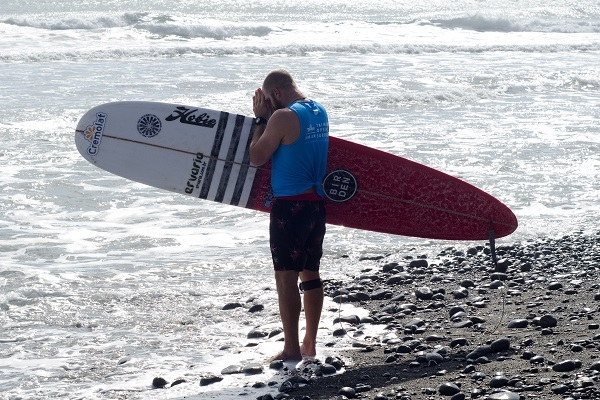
{"x":340,"y":185}
{"x":149,"y":125}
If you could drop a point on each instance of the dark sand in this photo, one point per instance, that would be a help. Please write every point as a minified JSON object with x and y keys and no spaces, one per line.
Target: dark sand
{"x":526,"y":328}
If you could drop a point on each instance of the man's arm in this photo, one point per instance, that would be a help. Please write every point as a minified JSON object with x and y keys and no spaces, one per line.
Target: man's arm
{"x":266,"y":139}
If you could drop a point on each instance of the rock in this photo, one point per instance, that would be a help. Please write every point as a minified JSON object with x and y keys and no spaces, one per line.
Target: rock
{"x":458,"y":342}
{"x":178,"y":382}
{"x":502,"y":344}
{"x":504,"y":395}
{"x":348,"y":392}
{"x":232,"y":306}
{"x":159,"y":383}
{"x":210,"y":379}
{"x":419,"y":263}
{"x":595,"y":366}
{"x":327,"y":369}
{"x":498,"y":381}
{"x":256,"y":308}
{"x":502,"y":265}
{"x":547,"y":321}
{"x":231,"y":369}
{"x":257,"y":334}
{"x":555,"y":286}
{"x":433,"y":358}
{"x":448,"y":389}
{"x":559,"y":388}
{"x":252,"y":369}
{"x":518,"y":324}
{"x":423,"y":293}
{"x":566,"y":366}
{"x":479,"y":352}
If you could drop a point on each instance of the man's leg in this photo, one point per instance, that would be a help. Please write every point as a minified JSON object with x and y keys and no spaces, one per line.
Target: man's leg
{"x":313,"y":305}
{"x":289,"y":309}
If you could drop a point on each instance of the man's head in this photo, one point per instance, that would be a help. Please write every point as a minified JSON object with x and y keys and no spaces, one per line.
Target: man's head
{"x":279,"y":87}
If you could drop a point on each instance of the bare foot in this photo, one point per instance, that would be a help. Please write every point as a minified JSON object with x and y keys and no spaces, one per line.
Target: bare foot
{"x":283,"y":356}
{"x":308,"y":351}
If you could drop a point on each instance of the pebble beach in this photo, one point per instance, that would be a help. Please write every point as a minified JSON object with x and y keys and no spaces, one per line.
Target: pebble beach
{"x":459,"y":326}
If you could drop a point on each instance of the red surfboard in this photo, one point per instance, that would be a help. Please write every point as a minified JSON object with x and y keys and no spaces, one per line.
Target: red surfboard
{"x":204,"y":153}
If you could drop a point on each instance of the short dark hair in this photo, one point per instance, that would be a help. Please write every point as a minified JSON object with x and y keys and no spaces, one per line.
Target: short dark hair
{"x":279,"y":78}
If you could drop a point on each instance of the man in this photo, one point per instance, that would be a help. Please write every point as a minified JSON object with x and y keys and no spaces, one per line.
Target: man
{"x":293,"y":132}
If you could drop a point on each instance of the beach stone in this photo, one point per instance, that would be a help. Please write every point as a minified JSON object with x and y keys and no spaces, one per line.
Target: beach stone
{"x":448,"y":389}
{"x":504,"y":395}
{"x":498,"y":276}
{"x":232,"y":306}
{"x":419,"y":263}
{"x":555,"y":286}
{"x":381,"y":294}
{"x":547,"y":321}
{"x":498,"y":381}
{"x":252,"y":369}
{"x":452,"y":311}
{"x":414,"y":324}
{"x":275,"y":332}
{"x":502,"y":265}
{"x":327,"y":369}
{"x":566,"y":366}
{"x":210,"y":379}
{"x":392,"y":266}
{"x":479,"y":352}
{"x":398,"y":279}
{"x":467,"y":283}
{"x":423,"y":293}
{"x":518,"y":323}
{"x":559,"y":388}
{"x":595,"y":366}
{"x":256,"y":308}
{"x":292,"y":383}
{"x":159,"y":383}
{"x":257,"y":333}
{"x":502,"y":344}
{"x":497,"y":284}
{"x":458,"y":342}
{"x":231,"y":369}
{"x":347,"y":391}
{"x":463,"y":324}
{"x":434,"y":358}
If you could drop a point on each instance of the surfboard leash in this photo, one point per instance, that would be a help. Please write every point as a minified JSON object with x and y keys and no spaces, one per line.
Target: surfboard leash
{"x":494,"y":256}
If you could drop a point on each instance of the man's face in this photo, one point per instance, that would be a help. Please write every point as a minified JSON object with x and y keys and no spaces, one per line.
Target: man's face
{"x":272,"y":97}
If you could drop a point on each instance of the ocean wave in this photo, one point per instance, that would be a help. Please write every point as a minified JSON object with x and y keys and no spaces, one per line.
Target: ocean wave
{"x":156,"y":25}
{"x":209,"y":31}
{"x":294,"y":50}
{"x":76,"y":22}
{"x":482,"y":23}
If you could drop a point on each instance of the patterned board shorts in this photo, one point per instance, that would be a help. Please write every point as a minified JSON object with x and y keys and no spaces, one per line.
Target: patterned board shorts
{"x":297,"y":230}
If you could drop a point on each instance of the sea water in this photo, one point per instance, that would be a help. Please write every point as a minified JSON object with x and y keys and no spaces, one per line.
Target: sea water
{"x":106,"y":284}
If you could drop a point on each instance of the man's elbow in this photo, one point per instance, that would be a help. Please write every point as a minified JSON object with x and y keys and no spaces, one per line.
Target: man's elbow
{"x":257,"y":159}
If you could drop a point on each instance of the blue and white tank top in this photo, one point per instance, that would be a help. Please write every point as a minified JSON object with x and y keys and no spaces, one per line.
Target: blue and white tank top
{"x":301,"y":165}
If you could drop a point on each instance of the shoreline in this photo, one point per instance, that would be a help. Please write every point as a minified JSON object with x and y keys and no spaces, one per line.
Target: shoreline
{"x":460,"y":327}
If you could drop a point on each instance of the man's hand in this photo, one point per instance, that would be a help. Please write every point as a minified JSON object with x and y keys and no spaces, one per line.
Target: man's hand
{"x":261,"y":105}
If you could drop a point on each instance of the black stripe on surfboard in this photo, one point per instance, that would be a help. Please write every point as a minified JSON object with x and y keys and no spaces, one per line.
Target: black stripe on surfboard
{"x":241,"y":180}
{"x":214,"y":154}
{"x":233,"y":146}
